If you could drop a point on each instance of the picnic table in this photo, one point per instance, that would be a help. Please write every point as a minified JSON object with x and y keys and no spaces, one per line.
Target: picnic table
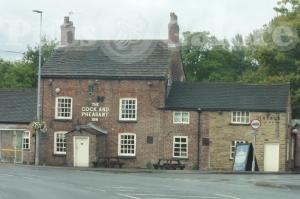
{"x":169,"y":164}
{"x":108,"y":162}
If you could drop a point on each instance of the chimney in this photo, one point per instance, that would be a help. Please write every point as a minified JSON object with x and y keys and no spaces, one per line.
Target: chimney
{"x":67,"y":32}
{"x":173,"y":31}
{"x":176,"y":72}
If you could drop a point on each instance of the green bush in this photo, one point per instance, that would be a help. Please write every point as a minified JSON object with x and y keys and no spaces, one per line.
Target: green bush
{"x":149,"y":165}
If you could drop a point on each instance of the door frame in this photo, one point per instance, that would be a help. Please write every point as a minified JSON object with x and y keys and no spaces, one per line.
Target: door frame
{"x":74,"y":148}
{"x":274,"y":143}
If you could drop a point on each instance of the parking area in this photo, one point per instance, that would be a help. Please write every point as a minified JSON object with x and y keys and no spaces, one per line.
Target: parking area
{"x":47,"y":182}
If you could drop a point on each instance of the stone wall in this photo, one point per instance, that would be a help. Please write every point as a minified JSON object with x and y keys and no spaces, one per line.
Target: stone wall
{"x":222,"y":133}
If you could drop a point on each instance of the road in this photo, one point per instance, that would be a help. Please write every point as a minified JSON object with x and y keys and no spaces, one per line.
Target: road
{"x":21,"y":182}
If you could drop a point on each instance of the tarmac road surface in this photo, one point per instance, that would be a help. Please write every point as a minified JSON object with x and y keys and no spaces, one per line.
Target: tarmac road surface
{"x":26,"y":182}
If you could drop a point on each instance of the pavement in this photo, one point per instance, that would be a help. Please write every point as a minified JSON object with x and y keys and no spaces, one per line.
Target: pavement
{"x":60,"y":182}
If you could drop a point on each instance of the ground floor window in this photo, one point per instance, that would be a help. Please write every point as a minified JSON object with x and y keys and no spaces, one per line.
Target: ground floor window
{"x":127,"y":144}
{"x":233,"y":147}
{"x":60,"y":142}
{"x":26,"y":140}
{"x":180,"y":147}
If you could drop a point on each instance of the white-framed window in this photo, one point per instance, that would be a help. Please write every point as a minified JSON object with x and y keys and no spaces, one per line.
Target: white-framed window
{"x":239,"y":117}
{"x":128,"y":109}
{"x":60,"y":142}
{"x":181,"y":117}
{"x":63,"y":108}
{"x":233,"y":147}
{"x":26,"y":140}
{"x":180,"y":146}
{"x":127,"y":144}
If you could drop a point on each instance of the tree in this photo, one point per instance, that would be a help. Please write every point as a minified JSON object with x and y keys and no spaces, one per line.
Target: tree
{"x":207,"y":58}
{"x":278,"y":56}
{"x":23,"y":74}
{"x":31,"y":57}
{"x":268,"y":55}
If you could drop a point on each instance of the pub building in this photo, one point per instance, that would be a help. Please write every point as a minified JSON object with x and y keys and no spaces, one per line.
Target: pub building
{"x":130,"y":99}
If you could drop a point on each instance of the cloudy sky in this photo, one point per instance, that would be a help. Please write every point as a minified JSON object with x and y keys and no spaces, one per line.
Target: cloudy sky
{"x":126,"y":19}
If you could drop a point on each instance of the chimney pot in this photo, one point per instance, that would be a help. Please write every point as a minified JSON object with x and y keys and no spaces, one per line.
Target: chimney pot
{"x":173,"y":30}
{"x":67,"y":32}
{"x":67,"y":19}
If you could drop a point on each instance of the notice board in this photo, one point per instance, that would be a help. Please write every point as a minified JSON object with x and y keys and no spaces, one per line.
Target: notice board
{"x":242,"y":159}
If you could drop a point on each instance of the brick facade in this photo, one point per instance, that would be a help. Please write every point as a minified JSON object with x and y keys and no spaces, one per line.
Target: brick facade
{"x":150,"y":96}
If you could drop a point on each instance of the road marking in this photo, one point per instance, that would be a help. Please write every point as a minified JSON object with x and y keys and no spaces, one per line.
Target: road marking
{"x":121,"y":187}
{"x":28,"y":178}
{"x":227,"y":196}
{"x":6,"y":175}
{"x":96,"y":189}
{"x":128,"y":196}
{"x":176,"y":196}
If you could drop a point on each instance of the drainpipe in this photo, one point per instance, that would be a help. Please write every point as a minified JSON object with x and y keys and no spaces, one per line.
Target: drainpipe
{"x":295,"y":136}
{"x":198,"y":138}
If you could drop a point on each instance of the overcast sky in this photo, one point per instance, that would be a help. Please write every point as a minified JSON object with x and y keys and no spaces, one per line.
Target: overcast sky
{"x":126,"y":19}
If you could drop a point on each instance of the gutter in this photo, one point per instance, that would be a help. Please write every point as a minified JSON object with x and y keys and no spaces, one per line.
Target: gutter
{"x":220,"y":109}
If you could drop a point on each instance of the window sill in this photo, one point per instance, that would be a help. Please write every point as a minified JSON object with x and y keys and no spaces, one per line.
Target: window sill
{"x":238,"y":124}
{"x":126,"y":157}
{"x":26,"y":149}
{"x":127,"y":121}
{"x":59,"y":155}
{"x":63,"y":120}
{"x":180,"y":158}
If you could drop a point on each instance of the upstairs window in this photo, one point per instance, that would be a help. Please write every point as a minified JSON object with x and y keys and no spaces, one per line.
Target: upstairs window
{"x":63,"y":108}
{"x":128,"y":109}
{"x":238,"y":117}
{"x":181,"y":117}
{"x":26,"y":140}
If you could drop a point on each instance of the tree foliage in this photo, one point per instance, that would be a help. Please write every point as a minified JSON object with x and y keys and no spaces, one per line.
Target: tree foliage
{"x":268,"y":55}
{"x":23,"y":74}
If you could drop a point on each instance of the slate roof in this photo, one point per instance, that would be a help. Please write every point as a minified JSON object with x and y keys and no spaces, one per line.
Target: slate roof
{"x":17,"y":105}
{"x":111,"y":59}
{"x":228,"y":96}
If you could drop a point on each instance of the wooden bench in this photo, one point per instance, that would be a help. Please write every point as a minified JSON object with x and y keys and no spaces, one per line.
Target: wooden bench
{"x":108,"y":162}
{"x":169,"y":164}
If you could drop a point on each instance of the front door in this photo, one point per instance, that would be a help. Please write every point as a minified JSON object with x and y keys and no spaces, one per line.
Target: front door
{"x":81,"y":151}
{"x":271,"y":162}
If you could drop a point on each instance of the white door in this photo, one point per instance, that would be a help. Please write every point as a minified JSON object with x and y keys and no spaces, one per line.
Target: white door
{"x":81,"y":151}
{"x":271,"y":162}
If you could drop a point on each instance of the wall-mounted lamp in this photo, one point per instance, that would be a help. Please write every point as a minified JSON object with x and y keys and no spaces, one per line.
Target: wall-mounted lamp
{"x":57,"y":90}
